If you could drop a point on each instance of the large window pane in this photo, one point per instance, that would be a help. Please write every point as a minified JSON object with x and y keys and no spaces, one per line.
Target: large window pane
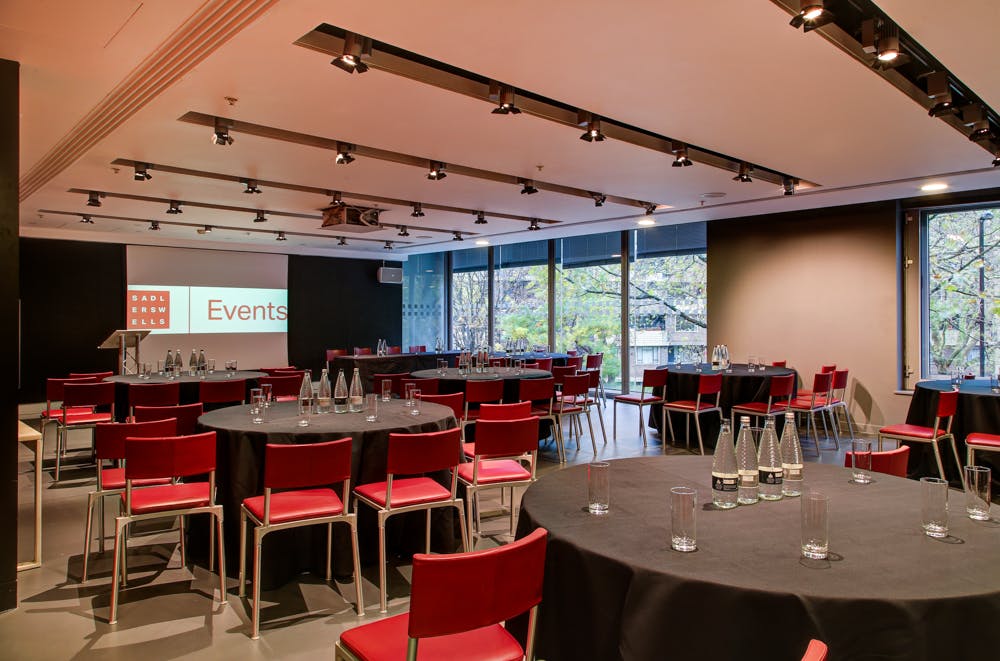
{"x":962,"y":291}
{"x":423,"y":300}
{"x":520,"y":292}
{"x":589,"y":298}
{"x":470,"y":299}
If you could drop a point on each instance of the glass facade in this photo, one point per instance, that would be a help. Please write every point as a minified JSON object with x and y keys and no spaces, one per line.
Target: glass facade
{"x":470,"y":298}
{"x":424,"y":319}
{"x":521,"y":294}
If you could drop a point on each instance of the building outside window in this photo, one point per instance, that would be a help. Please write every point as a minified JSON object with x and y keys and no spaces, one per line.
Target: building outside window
{"x":520,"y":291}
{"x":470,"y":298}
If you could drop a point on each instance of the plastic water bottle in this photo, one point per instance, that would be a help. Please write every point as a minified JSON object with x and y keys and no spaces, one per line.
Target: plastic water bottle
{"x":323,"y":396}
{"x":791,"y":458}
{"x":769,"y":462}
{"x":746,"y":463}
{"x":356,"y":396}
{"x":305,"y":399}
{"x":716,"y":357}
{"x":168,"y":364}
{"x":193,"y":362}
{"x":202,"y":362}
{"x":725,"y":475}
{"x":340,"y":394}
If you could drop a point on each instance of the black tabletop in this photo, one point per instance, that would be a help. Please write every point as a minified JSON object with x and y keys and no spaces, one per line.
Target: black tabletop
{"x":219,"y":375}
{"x":496,"y":373}
{"x":615,"y":590}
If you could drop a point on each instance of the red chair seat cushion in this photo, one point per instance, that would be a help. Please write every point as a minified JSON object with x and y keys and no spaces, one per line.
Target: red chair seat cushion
{"x":504,"y":470}
{"x":638,"y":399}
{"x":387,"y":639}
{"x":542,"y":412}
{"x":806,"y":403}
{"x":469,"y":450}
{"x":170,"y":497}
{"x":760,"y":407}
{"x":297,"y":505}
{"x":114,"y":478}
{"x":913,"y":431}
{"x":71,"y":412}
{"x":407,"y":491}
{"x":286,"y":398}
{"x":822,"y":401}
{"x":688,"y":405}
{"x":86,"y":418}
{"x":567,"y":410}
{"x":983,"y":440}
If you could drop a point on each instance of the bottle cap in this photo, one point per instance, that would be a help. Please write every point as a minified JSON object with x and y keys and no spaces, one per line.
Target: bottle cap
{"x":745,"y":419}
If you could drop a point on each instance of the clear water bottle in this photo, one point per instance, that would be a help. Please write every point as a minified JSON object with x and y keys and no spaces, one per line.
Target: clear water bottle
{"x":791,"y":458}
{"x":305,"y":399}
{"x":340,"y":394}
{"x":716,"y":357}
{"x":769,"y":462}
{"x":746,"y":463}
{"x":202,"y":362}
{"x":725,"y":476}
{"x":323,"y":396}
{"x":356,"y":395}
{"x":168,"y":364}
{"x":437,"y":345}
{"x":193,"y":362}
{"x":178,"y":363}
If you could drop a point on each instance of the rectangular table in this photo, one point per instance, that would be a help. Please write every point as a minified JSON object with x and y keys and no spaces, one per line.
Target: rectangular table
{"x":26,"y":434}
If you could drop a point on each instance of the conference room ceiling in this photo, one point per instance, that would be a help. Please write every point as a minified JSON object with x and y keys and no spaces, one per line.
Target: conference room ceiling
{"x":729,"y":76}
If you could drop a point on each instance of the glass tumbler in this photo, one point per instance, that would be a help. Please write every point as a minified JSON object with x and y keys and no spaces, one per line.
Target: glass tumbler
{"x":977,"y":492}
{"x":386,"y":390}
{"x":934,"y":506}
{"x":598,"y":487}
{"x":815,"y":525}
{"x":683,"y":522}
{"x":861,"y":461}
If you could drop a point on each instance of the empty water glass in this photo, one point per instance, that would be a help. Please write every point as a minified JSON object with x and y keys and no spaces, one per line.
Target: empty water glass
{"x":815,"y":525}
{"x":386,"y":390}
{"x":258,"y":408}
{"x":752,"y":363}
{"x":934,"y":506}
{"x":266,"y":390}
{"x":861,"y":461}
{"x":371,"y":407}
{"x":977,"y":492}
{"x":305,"y":410}
{"x":409,"y":393}
{"x":683,"y":522}
{"x":211,"y":365}
{"x":415,"y":405}
{"x":598,"y":487}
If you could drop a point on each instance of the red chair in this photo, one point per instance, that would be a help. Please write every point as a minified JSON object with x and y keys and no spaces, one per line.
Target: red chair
{"x":455,"y":401}
{"x":495,"y":584}
{"x":498,"y":362}
{"x":531,"y":366}
{"x":981,"y":442}
{"x":304,"y":473}
{"x":394,"y":350}
{"x":109,"y":445}
{"x":332,"y":354}
{"x":76,"y":396}
{"x":708,"y":385}
{"x":890,"y":462}
{"x":480,"y":392}
{"x":362,"y":351}
{"x":498,"y":412}
{"x":230,"y":391}
{"x":291,"y":371}
{"x":594,"y":362}
{"x":542,"y":393}
{"x":559,"y":373}
{"x":414,"y":454}
{"x":174,"y":457}
{"x":571,"y":352}
{"x":591,"y":398}
{"x":947,"y":403}
{"x":824,"y":369}
{"x":814,"y":402}
{"x":427,"y":386}
{"x":396,"y":378}
{"x":153,"y":394}
{"x":284,"y":388}
{"x":418,"y":348}
{"x":97,"y":376}
{"x":572,"y":388}
{"x":574,"y":361}
{"x":271,"y":371}
{"x":54,"y":393}
{"x":816,"y":651}
{"x":544,"y":364}
{"x":186,"y":414}
{"x":650,"y":379}
{"x":778,"y":394}
{"x":780,"y":363}
{"x":500,"y":445}
{"x":838,"y":400}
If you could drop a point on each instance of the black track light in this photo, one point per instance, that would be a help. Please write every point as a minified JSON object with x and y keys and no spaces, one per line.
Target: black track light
{"x":593,"y":132}
{"x":281,"y":237}
{"x":939,"y":91}
{"x":975,"y":117}
{"x":141,"y":173}
{"x":354,"y":47}
{"x":418,"y":210}
{"x":207,"y":229}
{"x":403,"y":231}
{"x":436,"y":171}
{"x":154,"y":226}
{"x":599,"y":199}
{"x":341,"y":241}
{"x":880,"y":40}
{"x":174,"y":208}
{"x":788,"y":185}
{"x":221,"y":134}
{"x":504,"y":96}
{"x":996,"y":160}
{"x":260,"y":217}
{"x":94,"y":199}
{"x":534,"y":225}
{"x":457,"y":236}
{"x":527,"y":186}
{"x":86,"y":220}
{"x":387,"y":246}
{"x":480,"y":218}
{"x":649,"y":208}
{"x":337,"y":199}
{"x":344,"y":153}
{"x":251,"y":186}
{"x":744,"y":175}
{"x":811,"y":15}
{"x":680,"y":152}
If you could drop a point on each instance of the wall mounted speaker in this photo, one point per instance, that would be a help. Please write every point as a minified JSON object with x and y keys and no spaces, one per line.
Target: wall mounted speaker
{"x":390,"y":276}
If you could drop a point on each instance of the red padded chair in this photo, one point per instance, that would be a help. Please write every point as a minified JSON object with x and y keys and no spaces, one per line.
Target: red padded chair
{"x":981,"y":442}
{"x":480,"y":392}
{"x":890,"y":462}
{"x":498,"y":362}
{"x":816,"y":651}
{"x":944,"y":415}
{"x":427,"y":386}
{"x":594,"y":362}
{"x":560,"y":372}
{"x":271,"y":371}
{"x":332,"y":354}
{"x":812,"y":402}
{"x":591,"y":398}
{"x":824,"y":369}
{"x":362,"y":351}
{"x":284,"y":388}
{"x":500,"y":445}
{"x":779,"y":363}
{"x":304,"y":473}
{"x":76,"y":396}
{"x":574,"y":387}
{"x":650,"y":379}
{"x":455,"y":401}
{"x":838,"y":400}
{"x":544,"y":364}
{"x":414,"y":454}
{"x":442,"y":626}
{"x":778,"y":394}
{"x":153,"y":394}
{"x":174,"y":457}
{"x":498,"y":412}
{"x":54,"y":393}
{"x":576,"y":362}
{"x":186,"y":414}
{"x":397,"y":381}
{"x":97,"y":376}
{"x":291,"y":371}
{"x":542,"y":393}
{"x":531,"y":366}
{"x":418,"y":348}
{"x":571,"y":353}
{"x":109,"y":445}
{"x":394,"y":350}
{"x":230,"y":391}
{"x":708,"y":385}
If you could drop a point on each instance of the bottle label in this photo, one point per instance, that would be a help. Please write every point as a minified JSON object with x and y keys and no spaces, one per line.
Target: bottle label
{"x":770,"y":475}
{"x":792,"y":471}
{"x":748,"y":478}
{"x":724,"y":482}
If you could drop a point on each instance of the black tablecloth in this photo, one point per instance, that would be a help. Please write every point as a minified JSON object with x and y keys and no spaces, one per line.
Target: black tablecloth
{"x":189,"y":386}
{"x":452,"y":381}
{"x":978,"y":411}
{"x":739,"y":385}
{"x":615,"y":590}
{"x":240,"y":474}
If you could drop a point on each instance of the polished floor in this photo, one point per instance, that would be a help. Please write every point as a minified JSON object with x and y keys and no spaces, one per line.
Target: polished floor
{"x":168,"y":611}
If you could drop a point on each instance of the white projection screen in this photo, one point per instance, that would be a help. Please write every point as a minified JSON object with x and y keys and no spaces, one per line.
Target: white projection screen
{"x":234,"y":305}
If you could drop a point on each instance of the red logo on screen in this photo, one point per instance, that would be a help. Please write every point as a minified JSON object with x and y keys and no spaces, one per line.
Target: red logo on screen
{"x":148,"y":309}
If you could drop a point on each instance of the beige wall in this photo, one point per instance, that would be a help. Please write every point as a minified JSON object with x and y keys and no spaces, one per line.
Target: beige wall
{"x":812,"y":288}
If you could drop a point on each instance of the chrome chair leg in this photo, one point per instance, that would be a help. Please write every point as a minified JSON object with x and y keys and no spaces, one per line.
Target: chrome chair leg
{"x":87,"y":534}
{"x":241,"y":590}
{"x":360,"y":603}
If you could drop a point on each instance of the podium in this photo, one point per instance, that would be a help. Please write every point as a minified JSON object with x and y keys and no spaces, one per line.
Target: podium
{"x":127,"y":343}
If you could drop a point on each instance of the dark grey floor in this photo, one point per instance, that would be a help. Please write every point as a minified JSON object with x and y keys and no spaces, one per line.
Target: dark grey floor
{"x":167,"y":611}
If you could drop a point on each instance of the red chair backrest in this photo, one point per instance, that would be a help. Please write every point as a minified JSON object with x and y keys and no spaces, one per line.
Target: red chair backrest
{"x":821,"y":383}
{"x":424,"y":453}
{"x":498,"y":362}
{"x":496,"y":584}
{"x":576,"y":362}
{"x":947,"y":403}
{"x":504,"y":411}
{"x":99,"y":376}
{"x":271,"y":371}
{"x":333,"y":353}
{"x":890,"y":462}
{"x":816,"y":651}
{"x":509,"y":437}
{"x":594,"y":360}
{"x":477,"y":391}
{"x":362,"y":351}
{"x":282,"y":385}
{"x":827,"y":368}
{"x":154,"y":394}
{"x":394,"y":350}
{"x":54,"y":387}
{"x":531,"y":366}
{"x":575,"y":385}
{"x":654,"y":378}
{"x":291,"y":371}
{"x":186,"y":415}
{"x":709,"y":384}
{"x":781,"y":386}
{"x":418,"y":348}
{"x":544,"y":364}
{"x":594,"y":376}
{"x":780,"y":363}
{"x":301,"y":465}
{"x":109,"y":437}
{"x":169,"y":456}
{"x":89,"y":394}
{"x":839,"y":379}
{"x":571,"y":352}
{"x":536,"y":390}
{"x":215,"y":392}
{"x":426,"y":386}
{"x":396,"y":378}
{"x":560,"y":373}
{"x":456,"y":401}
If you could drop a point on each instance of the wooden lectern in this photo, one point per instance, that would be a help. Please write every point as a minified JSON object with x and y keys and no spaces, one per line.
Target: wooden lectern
{"x":124,"y":340}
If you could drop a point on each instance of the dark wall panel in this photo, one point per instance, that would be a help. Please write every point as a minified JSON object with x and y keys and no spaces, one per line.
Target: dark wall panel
{"x":72,"y":297}
{"x":338,"y":304}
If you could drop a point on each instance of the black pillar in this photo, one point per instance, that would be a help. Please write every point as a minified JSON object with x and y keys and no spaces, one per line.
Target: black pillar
{"x":8,"y":330}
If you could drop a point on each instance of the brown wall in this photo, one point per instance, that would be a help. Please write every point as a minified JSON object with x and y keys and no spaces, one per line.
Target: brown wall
{"x":811,"y":288}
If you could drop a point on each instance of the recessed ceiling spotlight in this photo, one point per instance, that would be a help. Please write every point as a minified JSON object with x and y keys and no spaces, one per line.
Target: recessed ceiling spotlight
{"x":593,"y":132}
{"x":788,"y":185}
{"x":174,"y":208}
{"x":480,"y":218}
{"x":418,"y":210}
{"x":251,"y":186}
{"x":354,"y":47}
{"x":403,"y":231}
{"x":646,"y":221}
{"x":457,"y":236}
{"x":344,"y":150}
{"x":534,"y":225}
{"x":680,"y":152}
{"x":387,"y":246}
{"x":744,"y":174}
{"x":436,"y":171}
{"x":86,"y":220}
{"x":221,"y":136}
{"x":260,"y":217}
{"x":154,"y":226}
{"x":141,"y":173}
{"x":934,"y":187}
{"x":811,"y":15}
{"x":504,"y":96}
{"x":94,"y":199}
{"x":527,"y":186}
{"x":482,"y":242}
{"x":599,"y":199}
{"x":341,"y":241}
{"x":281,"y":237}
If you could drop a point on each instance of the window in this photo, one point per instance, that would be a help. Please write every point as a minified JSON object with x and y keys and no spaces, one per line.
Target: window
{"x":470,"y":298}
{"x":423,"y":300}
{"x":961,"y":256}
{"x":520,"y":293}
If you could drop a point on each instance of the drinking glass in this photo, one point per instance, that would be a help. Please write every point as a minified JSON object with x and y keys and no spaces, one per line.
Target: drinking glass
{"x":442,"y":364}
{"x":258,"y":408}
{"x":977,"y":492}
{"x":598,"y":487}
{"x":159,"y":367}
{"x":211,"y":365}
{"x":861,"y":461}
{"x":815,"y":525}
{"x":305,"y":410}
{"x":409,"y":393}
{"x":415,"y":404}
{"x":752,"y":363}
{"x":934,"y":506}
{"x":762,"y":363}
{"x":371,"y":407}
{"x":683,"y":509}
{"x":386,"y":390}
{"x":235,"y":365}
{"x":266,"y":392}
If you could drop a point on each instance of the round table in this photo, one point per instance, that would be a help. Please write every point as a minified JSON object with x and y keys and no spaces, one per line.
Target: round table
{"x":240,"y":474}
{"x":451,"y":381}
{"x":189,"y":386}
{"x":615,"y":590}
